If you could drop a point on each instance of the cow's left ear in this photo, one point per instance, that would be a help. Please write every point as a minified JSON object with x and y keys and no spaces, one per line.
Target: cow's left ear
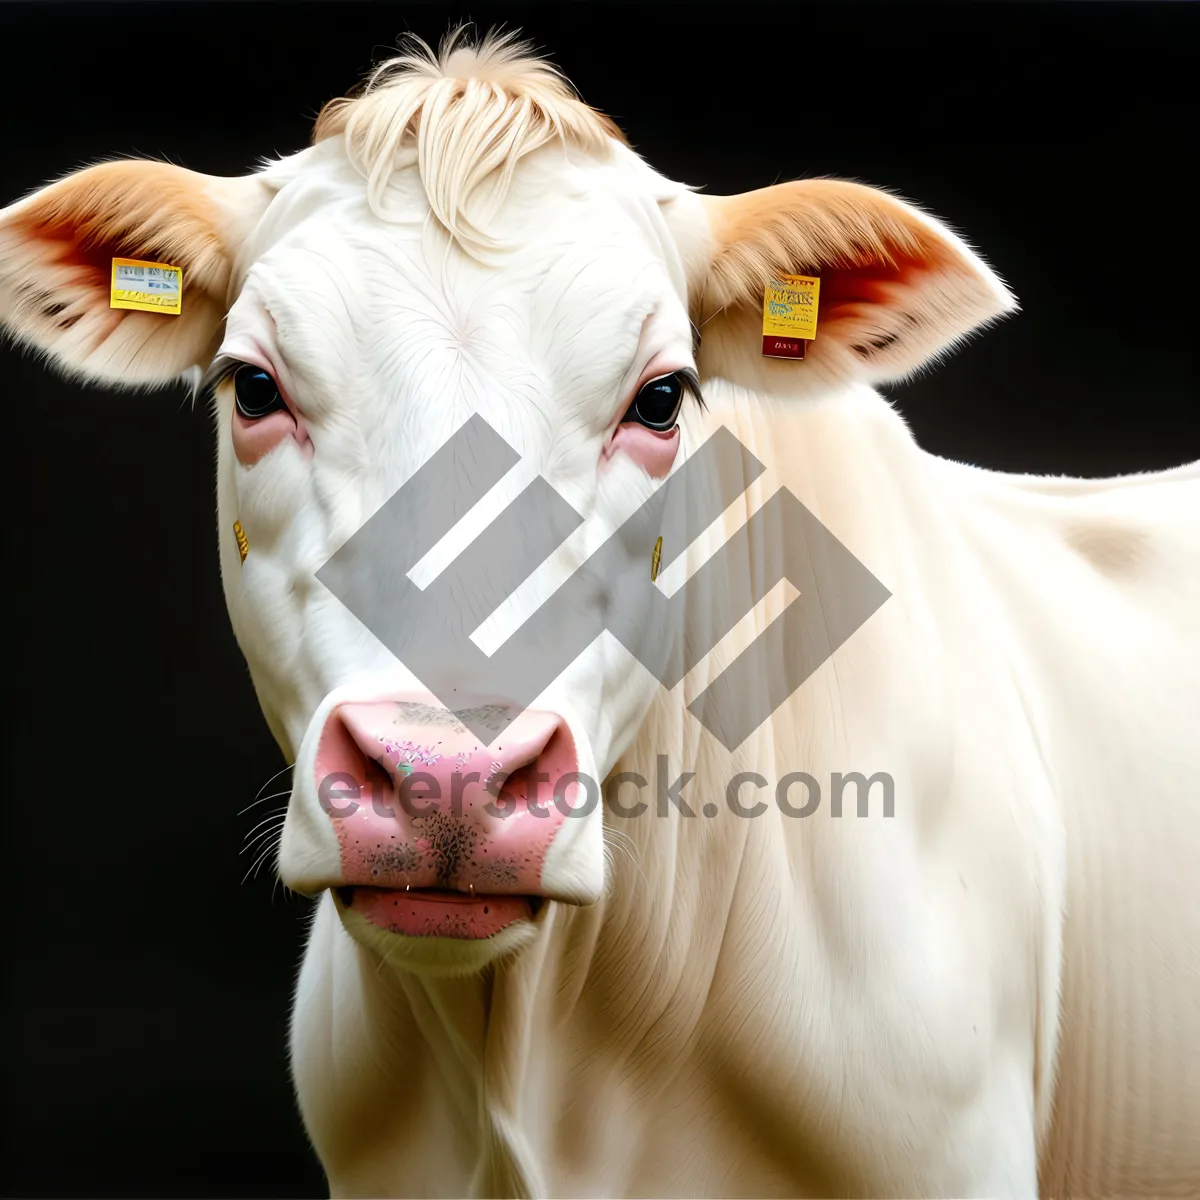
{"x":56,"y":252}
{"x":897,"y":286}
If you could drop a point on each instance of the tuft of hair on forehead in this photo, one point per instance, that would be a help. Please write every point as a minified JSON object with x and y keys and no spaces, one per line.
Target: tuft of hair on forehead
{"x":472,"y":110}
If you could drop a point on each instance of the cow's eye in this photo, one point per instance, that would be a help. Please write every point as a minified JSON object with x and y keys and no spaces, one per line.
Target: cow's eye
{"x":257,"y":394}
{"x":658,"y":402}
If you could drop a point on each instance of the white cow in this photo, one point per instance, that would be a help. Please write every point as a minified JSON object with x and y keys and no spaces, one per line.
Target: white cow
{"x":994,"y":990}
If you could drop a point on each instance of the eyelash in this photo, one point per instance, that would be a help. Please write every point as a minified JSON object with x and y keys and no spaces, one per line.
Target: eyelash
{"x":691,"y":385}
{"x":223,"y":369}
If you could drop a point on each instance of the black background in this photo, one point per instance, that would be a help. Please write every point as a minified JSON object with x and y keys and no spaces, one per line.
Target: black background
{"x":146,"y":988}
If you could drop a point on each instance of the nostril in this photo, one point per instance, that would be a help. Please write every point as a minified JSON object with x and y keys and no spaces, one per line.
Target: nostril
{"x":346,"y":896}
{"x":378,"y":781}
{"x":537,"y":783}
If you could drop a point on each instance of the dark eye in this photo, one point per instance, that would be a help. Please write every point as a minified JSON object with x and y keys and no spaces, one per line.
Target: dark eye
{"x":256,"y":392}
{"x":658,"y":402}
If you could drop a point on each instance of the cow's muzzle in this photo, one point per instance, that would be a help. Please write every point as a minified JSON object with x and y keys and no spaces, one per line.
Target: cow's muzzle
{"x":438,"y":832}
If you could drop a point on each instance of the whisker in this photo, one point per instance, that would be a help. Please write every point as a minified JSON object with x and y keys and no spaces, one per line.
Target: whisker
{"x":619,"y":835}
{"x":266,"y":855}
{"x":617,"y":840}
{"x":621,"y":841}
{"x":272,"y":780}
{"x":272,"y":796}
{"x":265,"y":833}
{"x":274,"y":815}
{"x":259,"y":862}
{"x":273,"y":831}
{"x":383,"y":960}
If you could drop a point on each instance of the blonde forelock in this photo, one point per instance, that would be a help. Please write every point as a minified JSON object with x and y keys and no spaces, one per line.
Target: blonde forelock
{"x":472,"y":111}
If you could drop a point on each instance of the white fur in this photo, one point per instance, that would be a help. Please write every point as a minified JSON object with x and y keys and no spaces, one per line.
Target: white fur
{"x":998,"y":981}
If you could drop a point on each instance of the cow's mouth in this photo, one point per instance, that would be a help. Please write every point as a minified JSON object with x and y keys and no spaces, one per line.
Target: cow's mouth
{"x":437,"y":912}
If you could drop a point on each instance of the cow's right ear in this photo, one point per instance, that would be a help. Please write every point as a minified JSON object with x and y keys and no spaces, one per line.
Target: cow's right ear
{"x":56,"y":252}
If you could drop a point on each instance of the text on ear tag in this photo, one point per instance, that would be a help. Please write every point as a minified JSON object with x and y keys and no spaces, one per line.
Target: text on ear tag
{"x":242,"y":544}
{"x":790,"y":305}
{"x":146,"y":286}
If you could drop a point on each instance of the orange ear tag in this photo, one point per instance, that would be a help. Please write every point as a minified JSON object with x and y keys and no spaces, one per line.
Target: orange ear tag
{"x":789,"y":315}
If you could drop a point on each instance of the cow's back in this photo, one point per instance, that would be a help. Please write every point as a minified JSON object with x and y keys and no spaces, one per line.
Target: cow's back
{"x":1103,"y":582}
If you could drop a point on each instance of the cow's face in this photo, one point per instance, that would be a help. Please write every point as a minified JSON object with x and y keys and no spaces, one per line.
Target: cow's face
{"x":357,"y":353}
{"x":425,"y":429}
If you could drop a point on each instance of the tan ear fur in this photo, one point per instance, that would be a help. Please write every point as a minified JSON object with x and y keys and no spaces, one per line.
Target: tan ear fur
{"x":56,"y":252}
{"x":897,"y":286}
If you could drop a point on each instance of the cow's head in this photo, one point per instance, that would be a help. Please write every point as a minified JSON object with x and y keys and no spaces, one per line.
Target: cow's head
{"x":464,"y":240}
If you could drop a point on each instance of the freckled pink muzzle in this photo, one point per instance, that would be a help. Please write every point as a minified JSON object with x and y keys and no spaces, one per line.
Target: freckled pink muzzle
{"x":441,"y":835}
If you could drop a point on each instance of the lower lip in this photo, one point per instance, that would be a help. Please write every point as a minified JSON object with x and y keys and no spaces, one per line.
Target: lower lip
{"x":427,"y":913}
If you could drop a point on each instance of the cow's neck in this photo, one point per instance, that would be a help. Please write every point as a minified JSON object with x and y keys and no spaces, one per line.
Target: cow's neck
{"x":613,"y":994}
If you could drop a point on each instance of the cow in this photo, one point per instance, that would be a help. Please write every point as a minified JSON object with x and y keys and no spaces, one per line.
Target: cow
{"x":930,"y":928}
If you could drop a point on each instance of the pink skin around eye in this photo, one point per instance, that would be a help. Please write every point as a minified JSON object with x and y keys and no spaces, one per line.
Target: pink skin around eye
{"x":253,"y":440}
{"x":654,"y":452}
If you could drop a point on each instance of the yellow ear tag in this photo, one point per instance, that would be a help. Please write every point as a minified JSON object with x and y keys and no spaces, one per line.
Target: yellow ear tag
{"x":790,"y":315}
{"x":146,"y":286}
{"x":240,"y":534}
{"x":655,"y":560}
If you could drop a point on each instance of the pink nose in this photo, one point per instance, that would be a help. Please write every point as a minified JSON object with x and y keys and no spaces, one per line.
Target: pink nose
{"x":418,"y":801}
